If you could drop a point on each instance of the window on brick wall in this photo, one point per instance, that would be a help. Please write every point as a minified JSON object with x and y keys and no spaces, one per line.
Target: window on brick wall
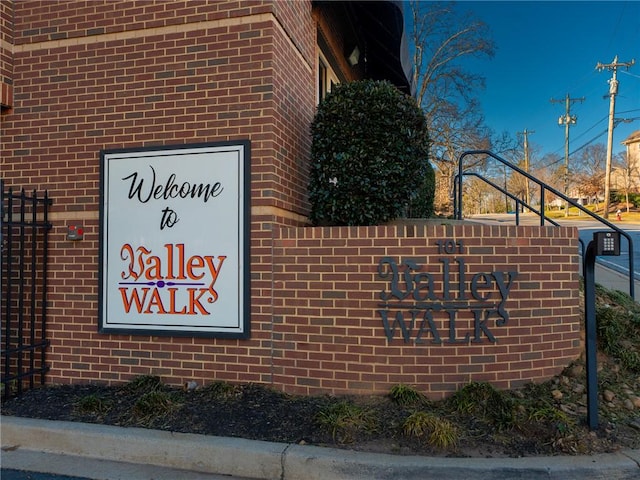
{"x":327,"y":78}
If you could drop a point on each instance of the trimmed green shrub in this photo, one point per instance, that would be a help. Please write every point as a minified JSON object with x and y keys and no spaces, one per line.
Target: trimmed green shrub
{"x":369,"y":157}
{"x":421,"y":205}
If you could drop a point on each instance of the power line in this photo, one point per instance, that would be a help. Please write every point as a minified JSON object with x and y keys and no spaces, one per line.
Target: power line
{"x":585,"y":132}
{"x":630,"y":74}
{"x":555,"y":162}
{"x":589,"y":142}
{"x":586,"y":144}
{"x":590,"y":128}
{"x":630,"y":111}
{"x":628,"y":120}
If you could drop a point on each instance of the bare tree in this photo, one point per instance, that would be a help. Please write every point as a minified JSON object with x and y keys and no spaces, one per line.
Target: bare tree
{"x":441,"y":37}
{"x":491,"y":170}
{"x":505,"y":146}
{"x":588,"y":170}
{"x":461,"y":132}
{"x":625,"y":175}
{"x":550,"y":170}
{"x":479,"y":197}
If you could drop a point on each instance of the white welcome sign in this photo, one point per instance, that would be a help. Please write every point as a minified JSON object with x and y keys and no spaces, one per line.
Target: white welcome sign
{"x":174,"y":240}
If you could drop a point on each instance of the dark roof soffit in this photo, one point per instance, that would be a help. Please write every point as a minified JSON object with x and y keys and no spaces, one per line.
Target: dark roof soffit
{"x":380,"y":26}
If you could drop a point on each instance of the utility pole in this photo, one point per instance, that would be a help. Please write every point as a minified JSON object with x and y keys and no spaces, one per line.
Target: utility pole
{"x":567,"y":120}
{"x":526,"y":161}
{"x":613,"y":91}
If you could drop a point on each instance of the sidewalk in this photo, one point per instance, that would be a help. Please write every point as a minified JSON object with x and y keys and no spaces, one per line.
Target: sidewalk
{"x":614,"y":280}
{"x":105,"y":452}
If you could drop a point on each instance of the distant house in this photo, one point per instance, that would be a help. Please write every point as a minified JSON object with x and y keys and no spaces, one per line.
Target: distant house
{"x":632,"y":142}
{"x":627,"y":176}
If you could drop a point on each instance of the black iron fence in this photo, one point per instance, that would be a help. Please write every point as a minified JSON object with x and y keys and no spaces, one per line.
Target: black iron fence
{"x":24,"y":228}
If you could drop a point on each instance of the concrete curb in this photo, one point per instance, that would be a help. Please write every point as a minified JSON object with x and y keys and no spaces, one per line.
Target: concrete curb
{"x":201,"y":453}
{"x":279,"y":461}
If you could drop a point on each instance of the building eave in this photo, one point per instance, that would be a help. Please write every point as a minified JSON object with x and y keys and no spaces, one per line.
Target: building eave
{"x":378,"y":32}
{"x":633,"y":138}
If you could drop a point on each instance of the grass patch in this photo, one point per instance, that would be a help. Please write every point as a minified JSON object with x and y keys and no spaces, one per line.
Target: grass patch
{"x":220,"y":390}
{"x":407,"y":396}
{"x":152,"y":407}
{"x":145,"y":383}
{"x":345,"y":420}
{"x":618,"y":325}
{"x":93,"y":405}
{"x":153,"y":404}
{"x":551,"y":415}
{"x":487,"y":404}
{"x":437,"y":431}
{"x":154,"y":400}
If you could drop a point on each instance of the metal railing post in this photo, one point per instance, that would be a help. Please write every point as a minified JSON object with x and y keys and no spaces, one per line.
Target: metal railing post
{"x":591,"y":346}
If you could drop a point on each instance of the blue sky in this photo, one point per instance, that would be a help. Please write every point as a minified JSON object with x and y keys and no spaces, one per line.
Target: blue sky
{"x":547,"y":49}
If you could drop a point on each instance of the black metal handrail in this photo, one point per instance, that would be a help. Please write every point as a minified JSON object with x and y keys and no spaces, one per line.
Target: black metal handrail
{"x":457,"y":203}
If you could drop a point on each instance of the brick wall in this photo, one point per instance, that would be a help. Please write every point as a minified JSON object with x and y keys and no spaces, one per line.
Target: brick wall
{"x":97,"y":75}
{"x":101,"y":75}
{"x":330,"y":293}
{"x":6,"y":55}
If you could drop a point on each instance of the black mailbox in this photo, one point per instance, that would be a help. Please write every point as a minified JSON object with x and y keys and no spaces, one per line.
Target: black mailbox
{"x":607,"y":243}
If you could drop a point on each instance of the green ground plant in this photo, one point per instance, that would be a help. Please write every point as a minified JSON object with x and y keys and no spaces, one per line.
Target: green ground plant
{"x":145,"y":383}
{"x":438,"y":432}
{"x":153,"y":405}
{"x":154,"y":400}
{"x":94,"y":404}
{"x":220,"y":390}
{"x":407,"y":396}
{"x":486,"y":403}
{"x":618,"y":326}
{"x":346,"y":420}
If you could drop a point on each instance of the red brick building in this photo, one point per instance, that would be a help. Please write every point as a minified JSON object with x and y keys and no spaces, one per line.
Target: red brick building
{"x":83,"y":78}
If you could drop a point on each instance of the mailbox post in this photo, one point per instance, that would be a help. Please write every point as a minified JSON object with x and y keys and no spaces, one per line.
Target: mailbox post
{"x":603,"y":243}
